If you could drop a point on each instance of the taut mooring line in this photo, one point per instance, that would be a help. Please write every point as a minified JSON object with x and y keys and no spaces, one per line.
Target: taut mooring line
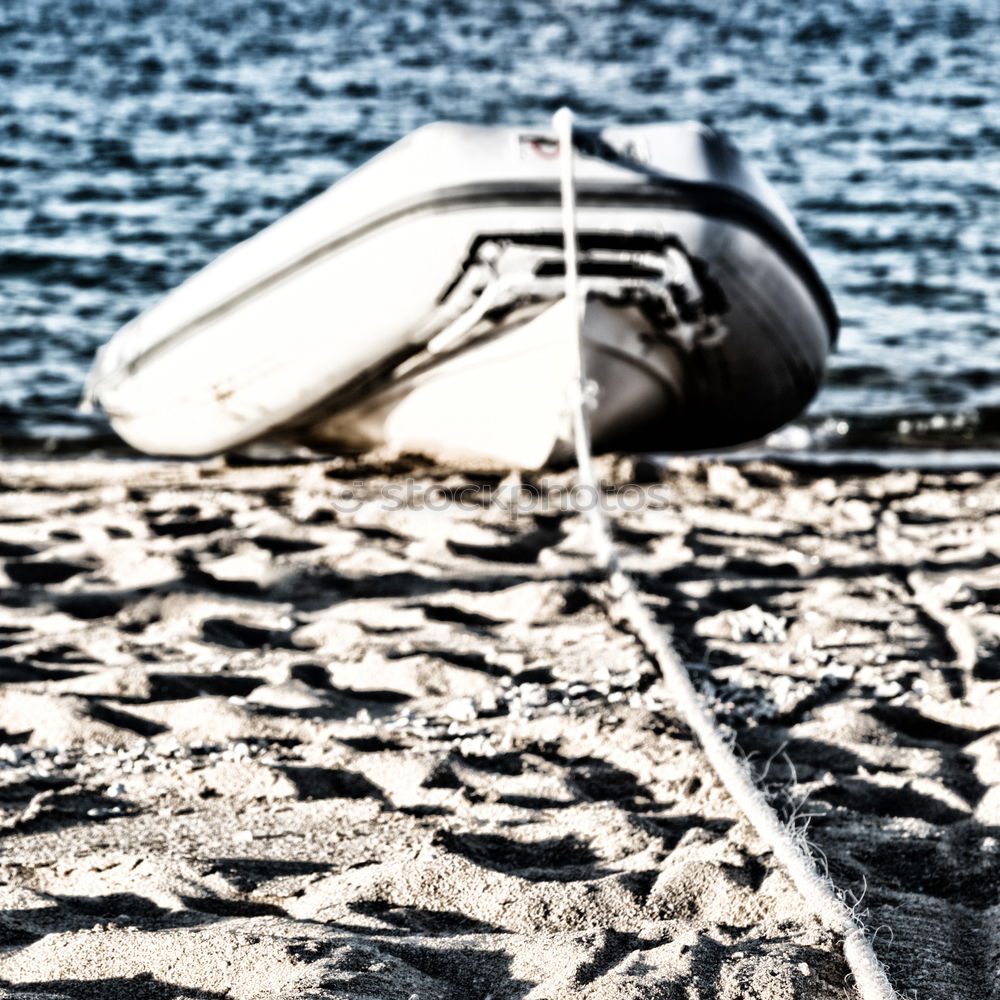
{"x":625,"y":605}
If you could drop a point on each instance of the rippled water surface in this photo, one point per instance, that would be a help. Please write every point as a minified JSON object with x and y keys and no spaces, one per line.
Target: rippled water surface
{"x":140,"y":139}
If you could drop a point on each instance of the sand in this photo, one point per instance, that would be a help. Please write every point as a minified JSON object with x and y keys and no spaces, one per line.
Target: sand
{"x":270,"y":731}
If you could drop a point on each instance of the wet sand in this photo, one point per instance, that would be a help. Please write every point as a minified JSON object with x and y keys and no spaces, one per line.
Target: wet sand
{"x":307,"y":730}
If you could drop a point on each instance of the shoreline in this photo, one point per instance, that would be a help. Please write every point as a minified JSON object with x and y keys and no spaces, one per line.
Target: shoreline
{"x":870,"y":458}
{"x":255,"y":745}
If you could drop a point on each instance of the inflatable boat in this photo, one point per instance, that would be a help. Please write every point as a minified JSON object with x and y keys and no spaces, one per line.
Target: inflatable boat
{"x":419,"y":304}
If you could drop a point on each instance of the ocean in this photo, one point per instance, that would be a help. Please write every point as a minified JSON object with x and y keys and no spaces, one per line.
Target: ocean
{"x":142,"y":139}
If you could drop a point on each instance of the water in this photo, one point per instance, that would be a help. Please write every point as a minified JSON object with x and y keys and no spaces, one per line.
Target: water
{"x":140,"y":139}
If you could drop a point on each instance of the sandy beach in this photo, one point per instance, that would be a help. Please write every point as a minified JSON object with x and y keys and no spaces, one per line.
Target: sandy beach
{"x":328,"y":730}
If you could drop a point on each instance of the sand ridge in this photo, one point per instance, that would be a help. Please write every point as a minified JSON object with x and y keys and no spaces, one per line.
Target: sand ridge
{"x":259,"y":741}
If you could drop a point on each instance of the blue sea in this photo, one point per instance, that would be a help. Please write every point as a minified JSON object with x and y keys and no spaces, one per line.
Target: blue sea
{"x":141,"y":138}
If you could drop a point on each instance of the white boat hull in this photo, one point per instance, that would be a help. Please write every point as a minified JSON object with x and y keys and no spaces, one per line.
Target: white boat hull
{"x":508,"y":402}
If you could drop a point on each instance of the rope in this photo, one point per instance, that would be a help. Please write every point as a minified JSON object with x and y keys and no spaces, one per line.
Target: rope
{"x":625,"y":605}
